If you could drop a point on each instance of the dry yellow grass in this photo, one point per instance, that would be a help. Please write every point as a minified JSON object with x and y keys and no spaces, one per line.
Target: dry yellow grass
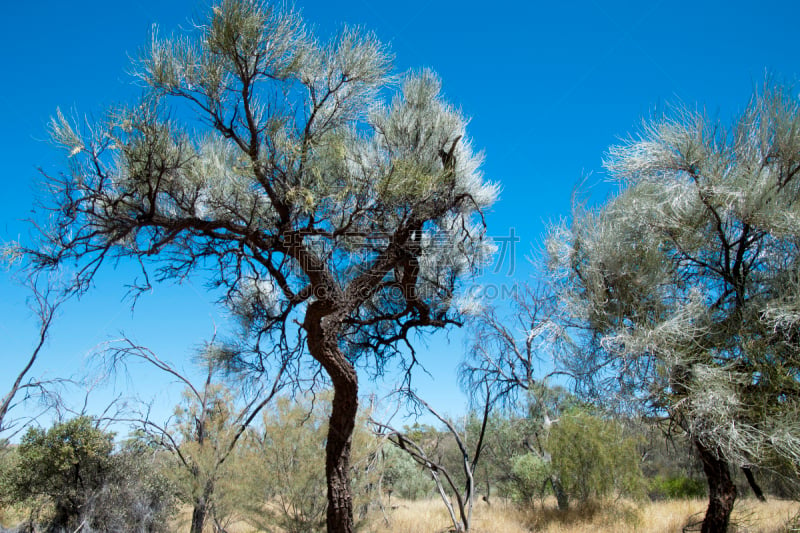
{"x":430,"y":516}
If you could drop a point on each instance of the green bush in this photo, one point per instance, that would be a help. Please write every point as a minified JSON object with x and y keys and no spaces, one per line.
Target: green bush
{"x":676,"y":487}
{"x":282,"y":481}
{"x":594,"y":457}
{"x":403,"y":476}
{"x":136,"y":495}
{"x":56,"y":471}
{"x":529,"y":478}
{"x":70,"y":480}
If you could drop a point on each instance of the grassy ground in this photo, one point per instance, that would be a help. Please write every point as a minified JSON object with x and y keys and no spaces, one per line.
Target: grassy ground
{"x":429,"y":516}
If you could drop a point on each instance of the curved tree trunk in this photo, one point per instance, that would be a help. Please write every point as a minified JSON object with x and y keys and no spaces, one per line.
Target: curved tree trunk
{"x":721,"y":490}
{"x":323,"y":345}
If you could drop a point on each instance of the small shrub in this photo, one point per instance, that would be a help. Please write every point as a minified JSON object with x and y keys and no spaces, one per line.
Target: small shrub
{"x":676,"y":487}
{"x":529,"y":477}
{"x":135,"y":497}
{"x":284,"y":482}
{"x":58,"y":470}
{"x":594,"y":457}
{"x":403,"y":476}
{"x":69,"y":480}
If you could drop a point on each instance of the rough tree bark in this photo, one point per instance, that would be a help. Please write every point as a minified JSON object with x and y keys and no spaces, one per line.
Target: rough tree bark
{"x":323,"y":332}
{"x":337,"y":455}
{"x":200,"y":508}
{"x":721,"y":490}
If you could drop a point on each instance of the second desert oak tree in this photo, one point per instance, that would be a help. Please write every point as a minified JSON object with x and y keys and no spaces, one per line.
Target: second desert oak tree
{"x":275,"y":164}
{"x":688,"y":281}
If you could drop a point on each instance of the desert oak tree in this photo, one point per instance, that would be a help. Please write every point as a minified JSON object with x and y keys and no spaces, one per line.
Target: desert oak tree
{"x":331,"y":209}
{"x":689,"y":281}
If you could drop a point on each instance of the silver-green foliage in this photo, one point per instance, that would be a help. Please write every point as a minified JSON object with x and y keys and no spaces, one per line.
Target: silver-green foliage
{"x":403,"y":477}
{"x":59,"y":469}
{"x":292,"y":151}
{"x":689,"y":277}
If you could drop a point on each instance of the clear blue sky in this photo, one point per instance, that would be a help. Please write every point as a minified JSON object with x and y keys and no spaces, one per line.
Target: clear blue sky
{"x":549,"y":87}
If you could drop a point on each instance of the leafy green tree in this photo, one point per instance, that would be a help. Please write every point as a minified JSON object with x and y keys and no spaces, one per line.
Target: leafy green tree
{"x":687,"y":280}
{"x":591,"y":457}
{"x":60,"y":469}
{"x":501,"y":441}
{"x":288,"y":468}
{"x":506,"y":435}
{"x":201,"y":442}
{"x":67,"y":476}
{"x":70,"y":478}
{"x":293,"y":185}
